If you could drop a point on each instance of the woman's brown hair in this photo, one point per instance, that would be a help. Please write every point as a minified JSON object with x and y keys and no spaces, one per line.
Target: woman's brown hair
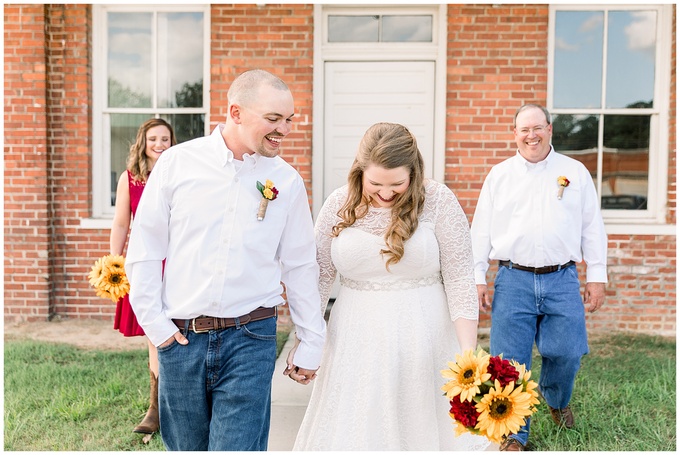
{"x":137,"y":162}
{"x":390,"y":146}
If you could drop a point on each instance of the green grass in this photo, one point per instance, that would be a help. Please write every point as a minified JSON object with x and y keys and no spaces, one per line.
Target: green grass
{"x":58,"y":397}
{"x":624,"y":399}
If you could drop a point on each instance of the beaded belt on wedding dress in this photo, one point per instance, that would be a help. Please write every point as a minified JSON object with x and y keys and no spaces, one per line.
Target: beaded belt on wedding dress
{"x":391,"y":285}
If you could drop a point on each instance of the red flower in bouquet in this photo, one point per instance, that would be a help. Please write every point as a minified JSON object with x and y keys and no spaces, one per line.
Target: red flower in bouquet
{"x":502,"y":370}
{"x":464,"y":412}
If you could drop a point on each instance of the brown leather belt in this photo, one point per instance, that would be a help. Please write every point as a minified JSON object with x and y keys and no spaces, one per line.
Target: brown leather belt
{"x":204,"y":324}
{"x":536,"y":270}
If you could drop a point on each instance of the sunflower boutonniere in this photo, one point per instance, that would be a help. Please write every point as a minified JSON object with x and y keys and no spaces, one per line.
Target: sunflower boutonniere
{"x":269,"y":193}
{"x":563,"y":182}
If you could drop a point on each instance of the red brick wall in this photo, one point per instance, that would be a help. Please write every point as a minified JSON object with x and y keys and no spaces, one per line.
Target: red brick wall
{"x":47,"y":159}
{"x":277,"y":38}
{"x":69,"y":88}
{"x":497,"y":60}
{"x":27,"y":212}
{"x":671,"y":217}
{"x":641,"y":294}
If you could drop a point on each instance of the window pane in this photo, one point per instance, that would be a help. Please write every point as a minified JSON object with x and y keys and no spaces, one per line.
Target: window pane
{"x":180,"y":60}
{"x":578,"y":59}
{"x":123,"y":134}
{"x":631,"y":49}
{"x":129,"y":59}
{"x":353,"y":29}
{"x":576,"y":136}
{"x":187,"y":126}
{"x":625,"y":165}
{"x":407,"y":29}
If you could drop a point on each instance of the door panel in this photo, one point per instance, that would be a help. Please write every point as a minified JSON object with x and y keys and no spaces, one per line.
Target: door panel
{"x":359,"y":94}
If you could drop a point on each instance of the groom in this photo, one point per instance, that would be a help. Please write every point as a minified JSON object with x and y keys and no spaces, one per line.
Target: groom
{"x":212,"y":310}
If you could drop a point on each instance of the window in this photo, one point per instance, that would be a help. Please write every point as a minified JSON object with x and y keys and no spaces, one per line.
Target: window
{"x":608,"y":94}
{"x":149,"y":62}
{"x":402,"y":28}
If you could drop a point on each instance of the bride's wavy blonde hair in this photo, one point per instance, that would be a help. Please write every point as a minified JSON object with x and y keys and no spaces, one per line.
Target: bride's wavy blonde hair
{"x":388,"y":145}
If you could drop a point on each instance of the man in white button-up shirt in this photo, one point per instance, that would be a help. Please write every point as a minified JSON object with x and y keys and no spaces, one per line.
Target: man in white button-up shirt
{"x":211,"y":309}
{"x":537,"y":215}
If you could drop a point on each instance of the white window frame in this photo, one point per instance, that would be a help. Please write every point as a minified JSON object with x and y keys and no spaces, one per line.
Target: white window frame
{"x":102,"y":213}
{"x":653,"y":219}
{"x":377,"y":51}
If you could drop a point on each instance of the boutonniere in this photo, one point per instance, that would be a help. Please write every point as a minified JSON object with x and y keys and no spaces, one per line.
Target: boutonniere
{"x":563,"y":182}
{"x":269,"y":193}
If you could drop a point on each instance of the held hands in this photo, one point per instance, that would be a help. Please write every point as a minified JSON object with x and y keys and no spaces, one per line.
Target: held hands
{"x":297,"y":374}
{"x":483,"y":297}
{"x":594,"y":295}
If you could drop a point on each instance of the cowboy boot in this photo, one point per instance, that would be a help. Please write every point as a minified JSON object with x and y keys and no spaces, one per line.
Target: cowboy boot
{"x":150,"y":423}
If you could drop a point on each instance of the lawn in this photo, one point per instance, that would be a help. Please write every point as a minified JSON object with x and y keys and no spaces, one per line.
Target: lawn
{"x":58,"y":397}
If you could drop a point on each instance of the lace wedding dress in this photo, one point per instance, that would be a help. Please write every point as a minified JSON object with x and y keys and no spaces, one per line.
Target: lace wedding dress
{"x":391,"y":333}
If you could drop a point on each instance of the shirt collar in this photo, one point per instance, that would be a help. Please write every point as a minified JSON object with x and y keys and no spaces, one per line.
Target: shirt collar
{"x":525,"y":166}
{"x":225,"y":155}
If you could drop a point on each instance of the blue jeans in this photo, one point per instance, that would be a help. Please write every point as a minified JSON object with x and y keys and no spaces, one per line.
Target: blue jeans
{"x":546,"y":309}
{"x":215,"y":392}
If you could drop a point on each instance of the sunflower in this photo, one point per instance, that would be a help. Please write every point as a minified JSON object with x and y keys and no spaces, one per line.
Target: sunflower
{"x":97,"y":271}
{"x":108,"y":277}
{"x":115,"y":262}
{"x":467,"y":374}
{"x":528,"y":385}
{"x":105,"y":294}
{"x":115,"y":283}
{"x":502,"y":411}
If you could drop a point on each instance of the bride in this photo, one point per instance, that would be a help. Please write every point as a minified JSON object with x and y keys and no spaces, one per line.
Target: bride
{"x":407,"y":304}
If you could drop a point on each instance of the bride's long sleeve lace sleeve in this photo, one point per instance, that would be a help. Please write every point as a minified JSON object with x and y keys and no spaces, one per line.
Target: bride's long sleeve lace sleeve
{"x":455,"y":254}
{"x":325,"y":221}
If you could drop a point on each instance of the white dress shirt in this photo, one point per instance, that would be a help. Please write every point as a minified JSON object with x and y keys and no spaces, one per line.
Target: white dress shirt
{"x":520,"y":218}
{"x":199,"y":210}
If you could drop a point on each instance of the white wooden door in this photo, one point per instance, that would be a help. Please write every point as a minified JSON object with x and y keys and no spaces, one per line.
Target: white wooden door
{"x":359,"y":94}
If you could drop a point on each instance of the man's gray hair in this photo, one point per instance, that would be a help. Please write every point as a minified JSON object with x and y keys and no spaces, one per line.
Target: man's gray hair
{"x":531,"y":106}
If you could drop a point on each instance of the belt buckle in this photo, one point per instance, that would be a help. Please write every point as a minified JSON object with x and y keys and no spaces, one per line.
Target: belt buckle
{"x":195,"y":330}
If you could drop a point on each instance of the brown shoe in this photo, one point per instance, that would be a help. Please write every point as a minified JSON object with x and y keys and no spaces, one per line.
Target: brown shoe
{"x":511,"y":445}
{"x":150,"y":424}
{"x":562,"y":417}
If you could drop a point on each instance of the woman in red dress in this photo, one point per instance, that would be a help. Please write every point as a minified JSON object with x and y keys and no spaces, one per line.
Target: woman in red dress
{"x":153,"y":138}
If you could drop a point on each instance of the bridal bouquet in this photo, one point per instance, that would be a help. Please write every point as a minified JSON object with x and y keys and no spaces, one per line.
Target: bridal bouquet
{"x":108,"y":277}
{"x":489,"y":396}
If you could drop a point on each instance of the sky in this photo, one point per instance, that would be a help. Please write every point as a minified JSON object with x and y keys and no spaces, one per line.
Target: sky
{"x":580,"y":45}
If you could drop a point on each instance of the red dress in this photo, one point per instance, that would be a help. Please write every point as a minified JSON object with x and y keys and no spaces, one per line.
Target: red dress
{"x":125,"y":320}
